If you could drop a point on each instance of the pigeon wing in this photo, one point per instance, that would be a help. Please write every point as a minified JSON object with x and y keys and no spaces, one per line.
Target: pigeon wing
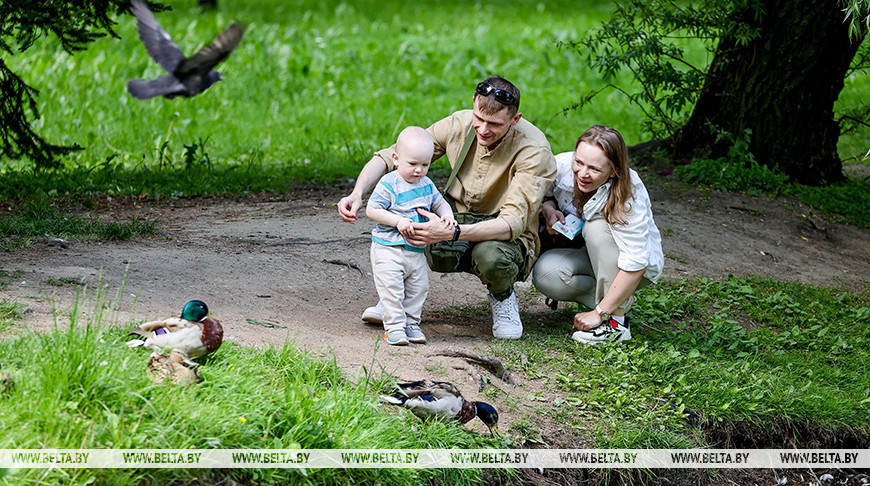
{"x":162,"y":86}
{"x":212,"y":54}
{"x":157,"y":41}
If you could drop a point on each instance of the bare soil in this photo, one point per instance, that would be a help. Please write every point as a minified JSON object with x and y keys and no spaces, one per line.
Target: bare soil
{"x":279,"y":269}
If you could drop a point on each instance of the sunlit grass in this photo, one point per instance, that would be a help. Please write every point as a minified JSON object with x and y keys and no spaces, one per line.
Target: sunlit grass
{"x":313,"y":89}
{"x":91,"y":391}
{"x":315,"y":86}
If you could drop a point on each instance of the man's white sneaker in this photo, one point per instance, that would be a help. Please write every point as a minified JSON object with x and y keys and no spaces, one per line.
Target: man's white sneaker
{"x":373,"y":315}
{"x":608,"y":332}
{"x":506,"y":323}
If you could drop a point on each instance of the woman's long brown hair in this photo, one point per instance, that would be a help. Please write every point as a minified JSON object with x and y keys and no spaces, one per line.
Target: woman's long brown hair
{"x":613,"y":146}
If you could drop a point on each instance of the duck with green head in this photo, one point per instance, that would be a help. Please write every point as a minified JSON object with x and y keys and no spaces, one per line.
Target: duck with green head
{"x":432,"y":399}
{"x":195,"y":332}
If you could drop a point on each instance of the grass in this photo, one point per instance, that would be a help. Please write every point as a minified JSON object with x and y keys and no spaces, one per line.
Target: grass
{"x":38,"y":218}
{"x":763,"y":363}
{"x":10,"y":314}
{"x":843,"y":202}
{"x":782,"y":363}
{"x":312,"y":90}
{"x":93,"y":393}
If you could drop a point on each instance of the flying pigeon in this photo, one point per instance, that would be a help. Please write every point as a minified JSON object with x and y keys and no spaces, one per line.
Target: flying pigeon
{"x":187,"y":76}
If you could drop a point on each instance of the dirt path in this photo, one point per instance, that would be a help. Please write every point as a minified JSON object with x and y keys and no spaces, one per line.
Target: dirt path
{"x":290,"y":263}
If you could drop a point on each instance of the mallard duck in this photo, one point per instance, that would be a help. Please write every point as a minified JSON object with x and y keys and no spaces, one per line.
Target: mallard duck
{"x":6,"y":383}
{"x":429,"y":399}
{"x":175,"y":367}
{"x":195,"y":332}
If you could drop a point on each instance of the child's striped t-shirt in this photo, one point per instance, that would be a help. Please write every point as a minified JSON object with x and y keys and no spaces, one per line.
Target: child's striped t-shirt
{"x":402,"y":199}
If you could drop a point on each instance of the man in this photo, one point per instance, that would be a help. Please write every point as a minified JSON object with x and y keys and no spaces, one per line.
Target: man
{"x":505,"y":172}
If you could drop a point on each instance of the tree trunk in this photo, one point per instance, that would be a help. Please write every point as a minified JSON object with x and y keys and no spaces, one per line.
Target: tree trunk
{"x":782,"y":86}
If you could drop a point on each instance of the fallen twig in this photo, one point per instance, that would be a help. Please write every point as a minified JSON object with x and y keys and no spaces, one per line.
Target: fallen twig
{"x":494,"y":365}
{"x":308,"y":242}
{"x":346,"y":264}
{"x":265,"y":323}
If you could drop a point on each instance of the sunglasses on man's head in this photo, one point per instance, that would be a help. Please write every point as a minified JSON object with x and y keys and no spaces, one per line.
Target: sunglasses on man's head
{"x":502,"y":96}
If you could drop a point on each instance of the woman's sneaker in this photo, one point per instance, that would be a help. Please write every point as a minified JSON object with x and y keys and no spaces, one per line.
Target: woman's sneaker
{"x":610,"y":331}
{"x":396,"y":337}
{"x":415,"y":334}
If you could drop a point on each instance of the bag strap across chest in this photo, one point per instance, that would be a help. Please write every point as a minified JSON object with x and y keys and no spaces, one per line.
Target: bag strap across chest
{"x":462,"y":155}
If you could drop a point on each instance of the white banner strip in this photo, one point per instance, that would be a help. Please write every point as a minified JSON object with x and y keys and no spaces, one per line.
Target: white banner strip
{"x":435,"y":458}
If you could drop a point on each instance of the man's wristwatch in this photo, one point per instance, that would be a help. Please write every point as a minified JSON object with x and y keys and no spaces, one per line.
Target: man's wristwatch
{"x":456,"y":232}
{"x":604,"y":315}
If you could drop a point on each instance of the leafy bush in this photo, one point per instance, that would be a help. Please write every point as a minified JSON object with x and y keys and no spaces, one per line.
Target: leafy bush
{"x":737,"y":172}
{"x":846,"y":201}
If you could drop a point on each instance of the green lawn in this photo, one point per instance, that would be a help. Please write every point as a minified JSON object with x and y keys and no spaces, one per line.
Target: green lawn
{"x":313,"y":89}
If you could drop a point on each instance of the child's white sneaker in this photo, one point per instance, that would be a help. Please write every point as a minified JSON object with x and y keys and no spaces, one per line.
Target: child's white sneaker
{"x":396,"y":337}
{"x":415,"y":334}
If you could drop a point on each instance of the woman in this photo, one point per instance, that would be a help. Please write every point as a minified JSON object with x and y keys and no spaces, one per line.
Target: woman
{"x":623,"y":247}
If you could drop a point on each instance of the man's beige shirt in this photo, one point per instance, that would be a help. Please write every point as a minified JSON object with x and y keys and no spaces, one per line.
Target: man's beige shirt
{"x":511,"y":179}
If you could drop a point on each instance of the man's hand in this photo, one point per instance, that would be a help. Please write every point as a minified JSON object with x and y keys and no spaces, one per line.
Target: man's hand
{"x":552,"y":216}
{"x":431,"y":231}
{"x":347,"y":208}
{"x":586,"y":321}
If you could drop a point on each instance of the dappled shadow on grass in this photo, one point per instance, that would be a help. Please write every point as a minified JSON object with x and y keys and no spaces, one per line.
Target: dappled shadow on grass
{"x":765,"y":364}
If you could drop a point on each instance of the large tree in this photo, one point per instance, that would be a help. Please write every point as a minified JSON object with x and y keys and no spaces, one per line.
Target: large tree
{"x":777,"y":67}
{"x":75,"y":24}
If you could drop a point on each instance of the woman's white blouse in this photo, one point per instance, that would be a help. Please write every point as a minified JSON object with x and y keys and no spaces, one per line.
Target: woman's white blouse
{"x":639,"y":240}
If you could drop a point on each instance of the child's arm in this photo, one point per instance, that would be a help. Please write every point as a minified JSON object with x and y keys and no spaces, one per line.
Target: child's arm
{"x":443,"y":209}
{"x":380,"y":215}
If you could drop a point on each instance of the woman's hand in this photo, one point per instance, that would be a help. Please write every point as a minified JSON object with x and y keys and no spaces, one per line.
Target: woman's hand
{"x":587,"y":321}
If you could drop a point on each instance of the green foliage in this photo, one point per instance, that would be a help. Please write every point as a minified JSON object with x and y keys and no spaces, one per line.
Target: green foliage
{"x":75,"y":25}
{"x":737,"y":172}
{"x":39,"y":218}
{"x":313,"y":89}
{"x":93,"y":392}
{"x":665,"y":48}
{"x":316,"y":87}
{"x":10,"y":311}
{"x":858,"y":16}
{"x":845,"y":202}
{"x":649,"y":40}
